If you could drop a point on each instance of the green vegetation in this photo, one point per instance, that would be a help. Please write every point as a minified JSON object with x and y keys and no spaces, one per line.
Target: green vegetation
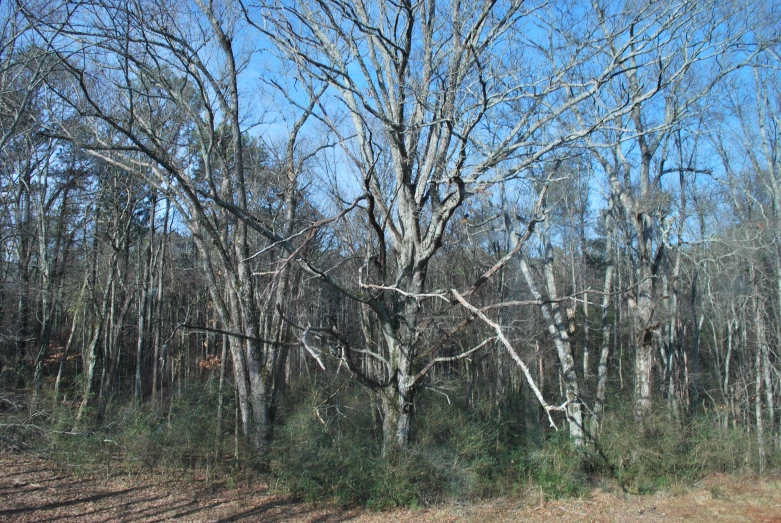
{"x":395,"y":253}
{"x":321,"y":454}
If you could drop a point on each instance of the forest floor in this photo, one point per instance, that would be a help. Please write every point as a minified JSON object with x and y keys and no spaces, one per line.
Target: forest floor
{"x":36,"y":489}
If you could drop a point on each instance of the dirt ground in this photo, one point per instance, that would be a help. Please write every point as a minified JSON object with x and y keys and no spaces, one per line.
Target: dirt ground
{"x":36,"y":489}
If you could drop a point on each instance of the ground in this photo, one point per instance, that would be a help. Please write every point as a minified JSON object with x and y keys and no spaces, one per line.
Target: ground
{"x":33,"y":488}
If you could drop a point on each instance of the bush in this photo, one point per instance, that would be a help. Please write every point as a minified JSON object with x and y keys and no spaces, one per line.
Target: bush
{"x":465,"y":448}
{"x":555,"y":466}
{"x":342,"y":462}
{"x":666,"y":452}
{"x":456,"y":454}
{"x":182,"y":436}
{"x":185,"y":438}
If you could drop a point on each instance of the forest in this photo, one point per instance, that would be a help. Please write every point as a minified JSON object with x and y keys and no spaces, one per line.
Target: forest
{"x":390,"y":252}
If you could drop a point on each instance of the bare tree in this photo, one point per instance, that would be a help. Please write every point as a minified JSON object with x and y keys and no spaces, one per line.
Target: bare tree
{"x":442,"y":102}
{"x":673,"y":55}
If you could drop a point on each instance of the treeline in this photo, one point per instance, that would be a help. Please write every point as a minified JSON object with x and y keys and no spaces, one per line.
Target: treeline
{"x":394,"y":214}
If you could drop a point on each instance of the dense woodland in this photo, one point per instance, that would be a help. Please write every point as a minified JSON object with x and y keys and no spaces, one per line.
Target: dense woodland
{"x":415,"y":227}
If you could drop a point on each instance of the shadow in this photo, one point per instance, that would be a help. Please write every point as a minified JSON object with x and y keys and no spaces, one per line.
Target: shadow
{"x":120,"y":515}
{"x":259,"y":510}
{"x":73,"y":485}
{"x":68,"y":503}
{"x":23,"y":471}
{"x":186,"y":512}
{"x":61,"y":477}
{"x":157,"y":511}
{"x":27,"y":487}
{"x":62,"y":498}
{"x":32,"y":486}
{"x":289,"y":509}
{"x":334,"y":518}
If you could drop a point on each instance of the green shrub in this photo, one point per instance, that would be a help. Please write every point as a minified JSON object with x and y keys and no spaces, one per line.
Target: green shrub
{"x":185,"y":438}
{"x":714,"y":448}
{"x":343,"y":463}
{"x":327,"y":446}
{"x":473,"y":451}
{"x":456,"y":454}
{"x":555,"y":466}
{"x":182,"y":435}
{"x":666,"y":452}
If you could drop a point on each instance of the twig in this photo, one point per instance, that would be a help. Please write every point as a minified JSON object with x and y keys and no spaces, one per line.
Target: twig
{"x":237,"y":335}
{"x":440,"y":295}
{"x":571,"y":511}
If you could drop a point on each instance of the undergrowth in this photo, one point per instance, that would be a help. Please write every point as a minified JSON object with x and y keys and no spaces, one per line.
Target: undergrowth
{"x":331,"y":450}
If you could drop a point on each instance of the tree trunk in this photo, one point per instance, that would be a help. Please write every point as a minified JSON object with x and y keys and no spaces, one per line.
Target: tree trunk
{"x":604,"y":353}
{"x":143,"y":302}
{"x":92,"y":351}
{"x":758,"y":411}
{"x":157,"y":303}
{"x":558,"y":330}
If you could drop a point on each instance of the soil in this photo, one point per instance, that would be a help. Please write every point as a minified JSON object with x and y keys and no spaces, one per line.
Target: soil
{"x":33,"y":488}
